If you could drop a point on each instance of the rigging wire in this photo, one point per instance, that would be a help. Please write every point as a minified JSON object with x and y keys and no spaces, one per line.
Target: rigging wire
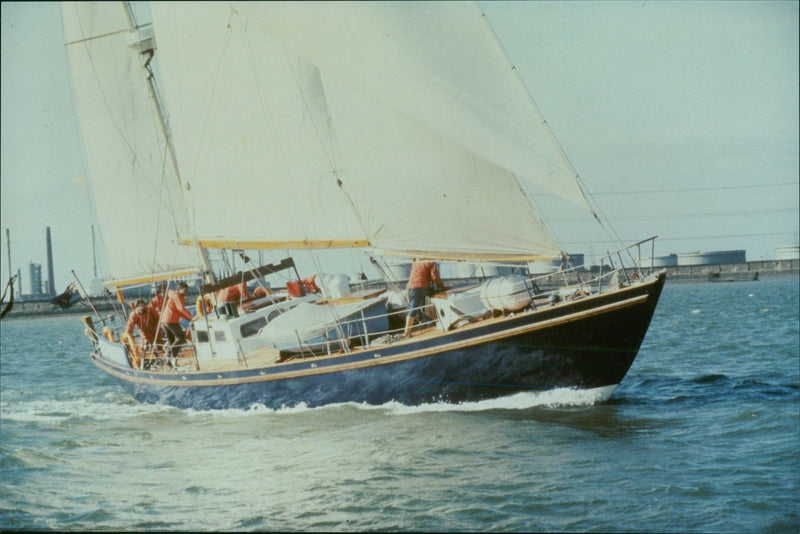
{"x":122,"y":136}
{"x":213,"y":93}
{"x":149,"y":190}
{"x":287,"y":169}
{"x":683,"y":190}
{"x":693,"y":238}
{"x":267,"y":113}
{"x":687,"y":216}
{"x":591,"y":202}
{"x":84,"y":164}
{"x":161,"y":127}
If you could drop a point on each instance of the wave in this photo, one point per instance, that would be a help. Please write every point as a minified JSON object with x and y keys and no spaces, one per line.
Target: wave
{"x":109,"y":406}
{"x":56,"y":411}
{"x":555,"y":398}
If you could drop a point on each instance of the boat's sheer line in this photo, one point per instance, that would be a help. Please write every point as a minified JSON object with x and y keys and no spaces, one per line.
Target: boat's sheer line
{"x":204,"y":378}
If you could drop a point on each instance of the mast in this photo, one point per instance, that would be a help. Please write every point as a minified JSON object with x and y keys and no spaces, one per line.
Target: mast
{"x":94,"y":254}
{"x":10,"y":283}
{"x":8,"y":246}
{"x":146,"y":45}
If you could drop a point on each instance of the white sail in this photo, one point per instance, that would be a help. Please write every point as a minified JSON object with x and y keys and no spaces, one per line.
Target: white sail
{"x":135,"y":190}
{"x":258,"y":164}
{"x":435,"y":198}
{"x":437,"y":63}
{"x":273,"y":103}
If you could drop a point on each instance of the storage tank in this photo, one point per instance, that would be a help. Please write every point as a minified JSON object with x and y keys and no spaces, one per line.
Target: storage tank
{"x":712,"y":258}
{"x":401,"y":271}
{"x":480,"y":270}
{"x":791,"y":252}
{"x":554,"y":264}
{"x":545,"y":266}
{"x":667,"y":260}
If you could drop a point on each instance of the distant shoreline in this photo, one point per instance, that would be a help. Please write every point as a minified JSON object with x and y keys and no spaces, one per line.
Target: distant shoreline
{"x":733,"y":272}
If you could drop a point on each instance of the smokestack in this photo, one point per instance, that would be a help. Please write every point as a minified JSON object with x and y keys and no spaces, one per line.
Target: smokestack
{"x":51,"y":286}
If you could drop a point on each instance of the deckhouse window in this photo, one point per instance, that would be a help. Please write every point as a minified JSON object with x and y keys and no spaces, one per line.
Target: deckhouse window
{"x":252,"y":328}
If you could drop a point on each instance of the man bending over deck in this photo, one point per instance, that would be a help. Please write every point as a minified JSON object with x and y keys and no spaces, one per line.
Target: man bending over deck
{"x":145,"y":319}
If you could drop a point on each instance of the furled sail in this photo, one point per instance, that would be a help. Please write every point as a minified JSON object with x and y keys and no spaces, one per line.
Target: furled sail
{"x":407,"y":114}
{"x":135,"y":189}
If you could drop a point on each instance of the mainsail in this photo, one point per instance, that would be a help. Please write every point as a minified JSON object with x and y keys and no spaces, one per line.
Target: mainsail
{"x":355,"y":123}
{"x":136,"y":192}
{"x":245,"y":118}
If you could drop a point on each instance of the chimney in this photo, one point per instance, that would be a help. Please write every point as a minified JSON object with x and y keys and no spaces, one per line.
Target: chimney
{"x":51,"y":286}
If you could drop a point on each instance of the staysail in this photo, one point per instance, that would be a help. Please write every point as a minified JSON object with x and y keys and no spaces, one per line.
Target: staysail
{"x":136,"y":193}
{"x":299,"y":113}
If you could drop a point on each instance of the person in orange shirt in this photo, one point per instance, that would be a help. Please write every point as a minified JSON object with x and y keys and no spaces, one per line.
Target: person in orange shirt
{"x":234,"y":293}
{"x":143,"y":318}
{"x":174,"y":311}
{"x":422,"y":282}
{"x":157,"y":303}
{"x":229,"y":298}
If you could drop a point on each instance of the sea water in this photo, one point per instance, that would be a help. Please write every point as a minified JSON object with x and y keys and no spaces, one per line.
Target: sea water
{"x":703,"y":435}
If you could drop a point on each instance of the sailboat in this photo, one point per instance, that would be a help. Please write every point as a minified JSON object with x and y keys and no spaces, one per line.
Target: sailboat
{"x":6,"y":306}
{"x":399,"y":130}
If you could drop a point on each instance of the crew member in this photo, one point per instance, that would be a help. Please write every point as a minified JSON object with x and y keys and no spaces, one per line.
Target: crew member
{"x":157,"y":303}
{"x":174,"y":311}
{"x":422,"y":282}
{"x":229,"y":298}
{"x":143,"y":318}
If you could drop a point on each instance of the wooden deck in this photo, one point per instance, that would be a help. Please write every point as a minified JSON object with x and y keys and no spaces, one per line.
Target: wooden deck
{"x":261,"y":357}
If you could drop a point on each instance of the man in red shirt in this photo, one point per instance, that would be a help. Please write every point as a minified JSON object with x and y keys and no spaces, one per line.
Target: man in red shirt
{"x":174,"y":311}
{"x":145,"y":320}
{"x":157,"y":303}
{"x":422,"y":282}
{"x":229,"y":298}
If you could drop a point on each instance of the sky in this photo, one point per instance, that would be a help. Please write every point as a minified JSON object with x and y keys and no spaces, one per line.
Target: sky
{"x":682,"y":119}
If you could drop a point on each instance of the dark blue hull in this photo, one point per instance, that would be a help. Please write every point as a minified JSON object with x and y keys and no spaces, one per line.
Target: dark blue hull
{"x":586,"y":344}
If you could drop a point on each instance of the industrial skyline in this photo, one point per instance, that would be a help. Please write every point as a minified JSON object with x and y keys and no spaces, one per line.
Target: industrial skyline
{"x":681,"y":117}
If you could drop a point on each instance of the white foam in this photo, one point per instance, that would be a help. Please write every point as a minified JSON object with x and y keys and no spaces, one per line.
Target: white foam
{"x":114,"y":406}
{"x":519,"y":401}
{"x":54,"y":411}
{"x":254,"y":409}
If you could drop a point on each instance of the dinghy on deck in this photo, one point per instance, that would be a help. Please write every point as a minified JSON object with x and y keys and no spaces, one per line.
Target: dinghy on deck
{"x":315,"y":327}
